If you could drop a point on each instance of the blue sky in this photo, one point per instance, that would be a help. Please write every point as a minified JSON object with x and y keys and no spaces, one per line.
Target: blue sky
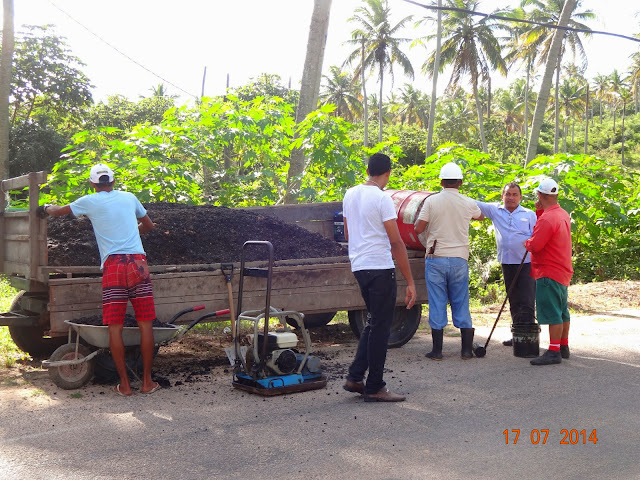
{"x":244,"y":38}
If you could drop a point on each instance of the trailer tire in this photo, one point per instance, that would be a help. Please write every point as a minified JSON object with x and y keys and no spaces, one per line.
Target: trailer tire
{"x":70,"y":377}
{"x":315,"y":320}
{"x":31,"y":339}
{"x":404,"y":326}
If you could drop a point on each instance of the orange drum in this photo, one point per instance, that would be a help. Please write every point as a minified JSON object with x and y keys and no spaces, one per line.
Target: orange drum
{"x":408,"y":204}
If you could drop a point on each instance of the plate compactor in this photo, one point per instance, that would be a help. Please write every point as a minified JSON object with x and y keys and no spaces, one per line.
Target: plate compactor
{"x":271,"y":364}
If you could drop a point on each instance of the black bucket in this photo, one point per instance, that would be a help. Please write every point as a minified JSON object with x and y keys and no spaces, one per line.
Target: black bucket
{"x":526,"y":339}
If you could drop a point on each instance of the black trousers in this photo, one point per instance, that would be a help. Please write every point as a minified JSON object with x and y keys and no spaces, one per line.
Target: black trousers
{"x":522,"y":299}
{"x":378,"y":288}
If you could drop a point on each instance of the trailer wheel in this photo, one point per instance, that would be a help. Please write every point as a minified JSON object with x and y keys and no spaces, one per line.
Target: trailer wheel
{"x":70,"y":377}
{"x":31,"y":339}
{"x":315,"y":320}
{"x":404,"y":326}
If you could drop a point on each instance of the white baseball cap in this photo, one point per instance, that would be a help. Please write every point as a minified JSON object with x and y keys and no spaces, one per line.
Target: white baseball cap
{"x":99,"y":170}
{"x":548,"y":186}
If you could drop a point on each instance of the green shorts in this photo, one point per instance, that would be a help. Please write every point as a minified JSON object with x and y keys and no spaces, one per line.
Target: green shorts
{"x":551,"y":302}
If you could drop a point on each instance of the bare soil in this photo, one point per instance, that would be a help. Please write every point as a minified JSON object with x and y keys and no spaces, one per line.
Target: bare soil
{"x":189,"y":234}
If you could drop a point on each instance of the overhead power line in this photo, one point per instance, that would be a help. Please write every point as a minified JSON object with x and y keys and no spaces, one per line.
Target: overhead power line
{"x":122,"y":53}
{"x":520,"y":20}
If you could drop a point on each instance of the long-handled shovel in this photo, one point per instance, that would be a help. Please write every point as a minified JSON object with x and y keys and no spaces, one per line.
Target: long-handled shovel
{"x":478,"y":349}
{"x":232,"y":354}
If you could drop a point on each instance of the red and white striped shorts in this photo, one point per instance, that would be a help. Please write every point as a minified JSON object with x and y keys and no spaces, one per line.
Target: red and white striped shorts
{"x":126,"y":277}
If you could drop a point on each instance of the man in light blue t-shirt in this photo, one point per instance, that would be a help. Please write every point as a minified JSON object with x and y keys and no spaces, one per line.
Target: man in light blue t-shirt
{"x":513,"y":226}
{"x":118,"y":218}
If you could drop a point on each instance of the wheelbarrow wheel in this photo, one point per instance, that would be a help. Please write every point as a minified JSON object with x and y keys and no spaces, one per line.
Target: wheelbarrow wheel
{"x":404,"y":326}
{"x":70,"y":377}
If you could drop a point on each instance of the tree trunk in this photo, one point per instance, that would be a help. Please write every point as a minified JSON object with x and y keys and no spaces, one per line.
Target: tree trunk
{"x":365,"y":102}
{"x":600,"y":111}
{"x":485,"y":149}
{"x":545,"y":87}
{"x":615,"y":108}
{"x":489,"y":97}
{"x":380,"y":106}
{"x":557,"y":107}
{"x":526,"y":103}
{"x":586,"y":122}
{"x":6,"y":64}
{"x":573,"y":133}
{"x":624,"y":104}
{"x":309,"y":90}
{"x":436,"y":70}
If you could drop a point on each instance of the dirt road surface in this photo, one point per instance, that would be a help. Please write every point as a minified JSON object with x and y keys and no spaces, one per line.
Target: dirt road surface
{"x":451,"y":426}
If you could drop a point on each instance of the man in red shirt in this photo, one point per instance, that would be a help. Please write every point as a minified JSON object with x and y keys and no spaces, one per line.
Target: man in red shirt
{"x":550,"y":247}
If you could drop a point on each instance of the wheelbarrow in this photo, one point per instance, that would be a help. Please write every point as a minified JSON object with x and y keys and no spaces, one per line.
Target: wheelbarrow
{"x":71,"y":366}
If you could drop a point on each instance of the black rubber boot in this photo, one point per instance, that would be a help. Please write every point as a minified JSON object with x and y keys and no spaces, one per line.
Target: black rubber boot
{"x":548,"y":358}
{"x":467,"y":343}
{"x":564,"y":351}
{"x":436,"y":351}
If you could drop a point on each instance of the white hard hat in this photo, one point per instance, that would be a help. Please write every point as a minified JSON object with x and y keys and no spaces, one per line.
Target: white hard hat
{"x":548,"y":186}
{"x":450,"y":171}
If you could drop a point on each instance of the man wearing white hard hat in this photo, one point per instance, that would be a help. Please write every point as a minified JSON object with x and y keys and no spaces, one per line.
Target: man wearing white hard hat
{"x":118,"y":218}
{"x":550,"y":247}
{"x":445,"y":217}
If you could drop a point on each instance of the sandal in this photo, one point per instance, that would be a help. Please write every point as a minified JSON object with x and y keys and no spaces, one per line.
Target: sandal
{"x":157,"y":387}
{"x":116,"y":389}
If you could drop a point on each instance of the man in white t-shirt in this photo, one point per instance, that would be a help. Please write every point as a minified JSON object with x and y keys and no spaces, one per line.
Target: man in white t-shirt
{"x":118,"y":218}
{"x":446,"y":216}
{"x":374,"y":241}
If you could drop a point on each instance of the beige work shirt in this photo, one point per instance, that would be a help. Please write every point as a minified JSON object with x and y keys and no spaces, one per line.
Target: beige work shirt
{"x":448,"y":215}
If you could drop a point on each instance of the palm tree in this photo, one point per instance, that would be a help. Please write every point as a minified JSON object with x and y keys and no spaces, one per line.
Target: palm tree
{"x":341,"y":91}
{"x":381,"y":45}
{"x":509,"y":110}
{"x":519,"y":49}
{"x":625,"y":96}
{"x":6,"y":63}
{"x":634,"y":78}
{"x":601,"y":87}
{"x":548,"y":11}
{"x":525,"y":101}
{"x":616,"y":84}
{"x":571,"y":100}
{"x":434,"y":86}
{"x":471,"y":48}
{"x":552,"y":56}
{"x":309,"y":89}
{"x":455,"y":116}
{"x":413,"y":106}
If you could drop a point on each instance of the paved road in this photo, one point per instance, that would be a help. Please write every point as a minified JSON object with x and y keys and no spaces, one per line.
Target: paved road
{"x":451,"y":427}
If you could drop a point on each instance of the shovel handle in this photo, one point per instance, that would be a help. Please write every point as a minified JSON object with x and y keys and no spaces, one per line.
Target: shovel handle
{"x":227,"y":271}
{"x":513,"y":284}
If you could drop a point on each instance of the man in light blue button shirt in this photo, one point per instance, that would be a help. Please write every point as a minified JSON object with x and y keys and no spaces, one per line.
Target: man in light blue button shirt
{"x":513,"y":225}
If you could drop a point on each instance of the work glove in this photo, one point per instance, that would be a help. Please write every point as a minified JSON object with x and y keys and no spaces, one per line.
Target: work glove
{"x":41,"y":211}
